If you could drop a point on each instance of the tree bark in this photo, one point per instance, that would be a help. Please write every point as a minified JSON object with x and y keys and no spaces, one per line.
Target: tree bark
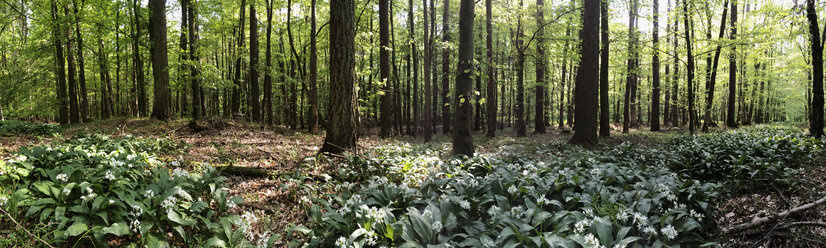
{"x":313,"y":121}
{"x":491,"y":101}
{"x":630,"y":79}
{"x":414,"y":48}
{"x":197,"y":111}
{"x":713,"y":79}
{"x":539,"y":119}
{"x":236,"y":91}
{"x":731,"y":113}
{"x":140,"y":80}
{"x":655,"y":91}
{"x":162,"y":104}
{"x":462,"y":139}
{"x":690,"y":55}
{"x":384,"y":69}
{"x":446,"y":66}
{"x":74,"y":111}
{"x":268,"y":113}
{"x":428,"y":114}
{"x":343,"y":111}
{"x":81,"y":73}
{"x":585,"y":124}
{"x":60,"y":69}
{"x":254,"y":94}
{"x":520,"y":79}
{"x":604,"y":113}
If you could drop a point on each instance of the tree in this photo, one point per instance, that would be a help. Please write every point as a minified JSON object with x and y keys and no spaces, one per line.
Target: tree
{"x":197,"y":111}
{"x":268,"y":113}
{"x":162,"y":103}
{"x":140,"y":81}
{"x":236,"y":90}
{"x":313,"y":125}
{"x":60,"y":69}
{"x":462,"y":139}
{"x":816,"y":120}
{"x":256,"y":105}
{"x":713,"y":79}
{"x":631,"y":78}
{"x":446,"y":66}
{"x":539,"y":119}
{"x":520,"y":78}
{"x":604,"y":121}
{"x":491,"y":85}
{"x":74,"y":111}
{"x":655,"y":67}
{"x":585,"y":96}
{"x":414,"y":48}
{"x":81,"y":73}
{"x":384,"y":69}
{"x":690,"y":55}
{"x":428,"y":105}
{"x":343,"y":111}
{"x":731,"y":114}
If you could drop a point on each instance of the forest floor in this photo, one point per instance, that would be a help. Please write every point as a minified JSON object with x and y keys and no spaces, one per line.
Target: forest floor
{"x":281,"y":152}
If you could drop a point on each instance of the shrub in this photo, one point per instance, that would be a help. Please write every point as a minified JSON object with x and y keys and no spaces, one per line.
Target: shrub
{"x":12,"y":127}
{"x":104,"y":191}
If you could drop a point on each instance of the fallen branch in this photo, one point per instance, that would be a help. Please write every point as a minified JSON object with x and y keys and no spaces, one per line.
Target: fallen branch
{"x":244,"y":171}
{"x":24,"y":229}
{"x":806,"y":223}
{"x":756,"y":222}
{"x":259,"y":206}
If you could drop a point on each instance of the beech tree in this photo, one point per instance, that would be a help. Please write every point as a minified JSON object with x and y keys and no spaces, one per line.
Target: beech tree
{"x":586,"y":98}
{"x":462,"y":139}
{"x":343,"y":124}
{"x":162,"y":104}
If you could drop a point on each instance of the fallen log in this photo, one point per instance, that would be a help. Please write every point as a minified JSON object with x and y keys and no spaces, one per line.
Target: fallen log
{"x":756,"y":222}
{"x":245,"y":171}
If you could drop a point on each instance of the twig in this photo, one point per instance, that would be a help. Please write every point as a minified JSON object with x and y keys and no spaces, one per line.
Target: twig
{"x":780,"y":193}
{"x":24,"y":229}
{"x":764,"y":220}
{"x":259,"y":206}
{"x":806,"y":223}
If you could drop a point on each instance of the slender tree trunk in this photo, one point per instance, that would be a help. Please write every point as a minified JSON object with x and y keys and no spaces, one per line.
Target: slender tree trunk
{"x":690,"y":55}
{"x":446,"y":67}
{"x":520,"y":79}
{"x":162,"y":105}
{"x":731,"y":113}
{"x":713,"y":79}
{"x":74,"y":111}
{"x":268,"y":113}
{"x":197,"y":110}
{"x":428,"y":114}
{"x":236,"y":91}
{"x":254,"y":94}
{"x":414,"y":48}
{"x":384,"y":66}
{"x":139,"y":76}
{"x":564,"y":78}
{"x":60,"y":68}
{"x":630,"y":89}
{"x":462,"y":139}
{"x":655,"y":64}
{"x":539,"y":121}
{"x":313,"y":125}
{"x":491,"y":84}
{"x":585,"y":124}
{"x":604,"y":113}
{"x":84,"y":96}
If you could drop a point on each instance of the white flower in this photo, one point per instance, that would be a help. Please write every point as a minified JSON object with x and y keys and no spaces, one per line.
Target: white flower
{"x":623,"y":215}
{"x":649,"y":230}
{"x":589,"y":212}
{"x":436,"y":225}
{"x":135,"y":225}
{"x":341,"y":242}
{"x":131,"y":157}
{"x":669,"y":232}
{"x":175,"y":163}
{"x":305,"y":200}
{"x":371,"y":237}
{"x":111,"y":201}
{"x":580,"y":226}
{"x":3,"y":200}
{"x":512,"y":189}
{"x":640,"y":219}
{"x":67,"y":191}
{"x":109,"y":175}
{"x":464,"y":204}
{"x":493,"y":210}
{"x":137,"y":210}
{"x":231,"y":205}
{"x":169,"y":202}
{"x":89,"y":190}
{"x":149,"y":194}
{"x":180,"y":173}
{"x":62,"y":177}
{"x":249,"y":217}
{"x":592,"y":241}
{"x":596,"y":172}
{"x":542,"y":200}
{"x":696,"y":215}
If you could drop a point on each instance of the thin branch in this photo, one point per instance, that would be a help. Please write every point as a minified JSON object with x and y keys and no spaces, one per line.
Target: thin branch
{"x":24,"y":229}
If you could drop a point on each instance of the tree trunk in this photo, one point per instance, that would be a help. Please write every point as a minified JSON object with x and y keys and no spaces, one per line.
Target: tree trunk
{"x":140,"y":82}
{"x":731,"y":113}
{"x":690,"y":55}
{"x":630,"y":80}
{"x":491,"y":84}
{"x":713,"y":79}
{"x":520,"y":79}
{"x":254,"y":94}
{"x":446,"y":66}
{"x":585,"y":124}
{"x":655,"y":83}
{"x":462,"y":139}
{"x":268,"y":113}
{"x":384,"y":67}
{"x":236,"y":91}
{"x":84,"y":97}
{"x":342,"y":106}
{"x":414,"y":48}
{"x":313,"y":125}
{"x":539,"y":116}
{"x":428,"y":114}
{"x":60,"y":69}
{"x":74,"y":111}
{"x":162,"y":104}
{"x":604,"y":121}
{"x":197,"y":111}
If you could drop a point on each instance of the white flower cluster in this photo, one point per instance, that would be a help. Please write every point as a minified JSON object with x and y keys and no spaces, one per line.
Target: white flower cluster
{"x":696,"y":215}
{"x":62,"y":177}
{"x":131,"y":157}
{"x":178,"y":172}
{"x":464,"y":204}
{"x":305,"y":200}
{"x":513,"y":189}
{"x":67,"y":191}
{"x":90,"y":195}
{"x":353,"y":201}
{"x":494,"y":210}
{"x":372,"y":213}
{"x":149,"y":194}
{"x":175,"y":163}
{"x":669,"y":232}
{"x":592,"y":241}
{"x":231,"y":204}
{"x":110,"y":175}
{"x":169,"y":202}
{"x":3,"y":200}
{"x":581,"y":226}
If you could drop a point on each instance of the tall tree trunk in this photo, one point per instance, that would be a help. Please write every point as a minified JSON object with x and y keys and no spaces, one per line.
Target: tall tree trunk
{"x":384,"y":67}
{"x":414,"y":48}
{"x":236,"y":91}
{"x":462,"y":139}
{"x":446,"y":66}
{"x":604,"y":113}
{"x":268,"y":113}
{"x":585,"y":124}
{"x":74,"y":111}
{"x":313,"y":125}
{"x":690,"y":55}
{"x":713,"y":79}
{"x":140,"y":82}
{"x":162,"y":104}
{"x":60,"y":68}
{"x":197,"y":110}
{"x":675,"y":87}
{"x":539,"y":119}
{"x":655,"y":84}
{"x":630,"y":80}
{"x":564,"y":78}
{"x":731,"y":113}
{"x":84,"y":97}
{"x":491,"y":84}
{"x":428,"y":114}
{"x":342,"y":106}
{"x":433,"y":58}
{"x":520,"y":79}
{"x":254,"y":94}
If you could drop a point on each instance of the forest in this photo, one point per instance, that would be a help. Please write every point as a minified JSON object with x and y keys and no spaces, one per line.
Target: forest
{"x":412,"y":123}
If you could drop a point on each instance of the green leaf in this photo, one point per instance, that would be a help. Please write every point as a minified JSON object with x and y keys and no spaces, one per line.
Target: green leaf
{"x":76,"y":229}
{"x":118,"y":229}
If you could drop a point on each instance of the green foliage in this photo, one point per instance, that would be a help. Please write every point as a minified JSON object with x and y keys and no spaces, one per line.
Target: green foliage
{"x":12,"y":127}
{"x":747,"y":158}
{"x":102,"y":191}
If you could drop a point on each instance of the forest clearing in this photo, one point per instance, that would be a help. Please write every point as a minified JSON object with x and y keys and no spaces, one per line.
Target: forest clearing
{"x":373,"y":123}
